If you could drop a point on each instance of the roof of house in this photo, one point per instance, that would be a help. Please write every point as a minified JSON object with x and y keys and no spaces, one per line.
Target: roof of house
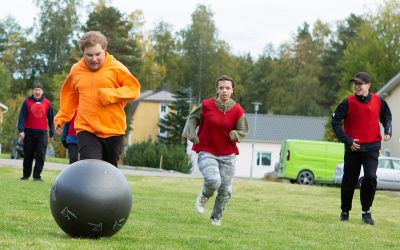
{"x":277,"y":128}
{"x":156,"y":96}
{"x":4,"y":107}
{"x":389,"y":86}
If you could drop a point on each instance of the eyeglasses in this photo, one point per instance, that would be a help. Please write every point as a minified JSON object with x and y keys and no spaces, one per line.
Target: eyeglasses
{"x":358,"y":83}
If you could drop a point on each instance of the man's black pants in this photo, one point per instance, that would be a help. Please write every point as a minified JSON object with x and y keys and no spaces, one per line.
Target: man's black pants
{"x":34,"y":147}
{"x":352,"y":168}
{"x":92,"y":147}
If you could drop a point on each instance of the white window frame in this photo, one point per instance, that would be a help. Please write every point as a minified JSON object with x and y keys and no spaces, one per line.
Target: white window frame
{"x":260,"y":153}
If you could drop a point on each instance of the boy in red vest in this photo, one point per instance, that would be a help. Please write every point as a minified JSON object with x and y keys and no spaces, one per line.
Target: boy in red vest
{"x":35,"y":117}
{"x":70,"y":140}
{"x":221,"y":123}
{"x":361,"y":114}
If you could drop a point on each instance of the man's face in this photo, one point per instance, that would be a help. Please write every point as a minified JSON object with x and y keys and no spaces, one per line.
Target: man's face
{"x":362,"y":89}
{"x":94,"y":57}
{"x":37,"y":93}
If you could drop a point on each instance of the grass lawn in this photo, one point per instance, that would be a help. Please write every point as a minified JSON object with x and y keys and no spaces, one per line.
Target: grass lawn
{"x":261,"y":215}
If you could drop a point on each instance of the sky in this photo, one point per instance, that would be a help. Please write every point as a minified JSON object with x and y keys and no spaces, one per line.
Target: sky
{"x":246,"y":25}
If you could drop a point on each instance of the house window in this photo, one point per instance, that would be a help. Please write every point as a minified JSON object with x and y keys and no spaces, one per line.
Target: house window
{"x":163,"y":108}
{"x":263,"y":159}
{"x":162,"y":132}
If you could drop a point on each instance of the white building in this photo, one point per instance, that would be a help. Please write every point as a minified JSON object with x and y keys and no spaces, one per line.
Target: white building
{"x":259,"y":151}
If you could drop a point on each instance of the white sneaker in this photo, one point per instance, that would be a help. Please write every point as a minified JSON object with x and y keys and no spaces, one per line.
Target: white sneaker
{"x":216,"y":222}
{"x":200,"y":202}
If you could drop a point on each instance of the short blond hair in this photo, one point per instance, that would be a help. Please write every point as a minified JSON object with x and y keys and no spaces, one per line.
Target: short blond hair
{"x":92,"y":38}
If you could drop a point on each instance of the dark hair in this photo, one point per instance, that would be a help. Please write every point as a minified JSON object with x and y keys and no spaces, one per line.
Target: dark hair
{"x":92,"y":38}
{"x":37,"y":85}
{"x":225,"y":78}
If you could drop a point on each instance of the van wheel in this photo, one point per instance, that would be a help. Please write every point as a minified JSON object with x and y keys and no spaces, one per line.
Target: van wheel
{"x":305,"y":177}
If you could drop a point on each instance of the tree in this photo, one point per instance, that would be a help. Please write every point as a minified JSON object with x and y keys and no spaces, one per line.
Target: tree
{"x":375,"y":49}
{"x":174,"y":122}
{"x":199,"y":45}
{"x":166,"y":53}
{"x":58,"y":23}
{"x":116,"y":27}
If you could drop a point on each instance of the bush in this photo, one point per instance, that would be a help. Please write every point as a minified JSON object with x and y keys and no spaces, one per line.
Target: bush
{"x":147,"y":154}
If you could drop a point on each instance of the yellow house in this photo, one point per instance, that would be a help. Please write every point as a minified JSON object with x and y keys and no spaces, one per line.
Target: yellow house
{"x":147,"y":112}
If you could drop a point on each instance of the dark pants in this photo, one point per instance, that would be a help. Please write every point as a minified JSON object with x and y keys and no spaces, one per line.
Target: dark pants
{"x":352,"y":168}
{"x":92,"y":147}
{"x":72,"y":152}
{"x":34,"y":147}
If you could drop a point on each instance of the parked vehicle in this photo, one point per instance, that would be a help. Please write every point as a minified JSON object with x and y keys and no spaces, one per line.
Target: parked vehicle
{"x":309,"y":162}
{"x":388,"y":173}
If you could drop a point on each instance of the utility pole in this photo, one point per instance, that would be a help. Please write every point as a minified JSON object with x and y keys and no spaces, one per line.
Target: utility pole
{"x":256,"y":106}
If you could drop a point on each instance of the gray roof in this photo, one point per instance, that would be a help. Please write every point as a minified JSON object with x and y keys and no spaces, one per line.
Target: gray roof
{"x":157,"y":96}
{"x":389,"y":86}
{"x":277,"y":128}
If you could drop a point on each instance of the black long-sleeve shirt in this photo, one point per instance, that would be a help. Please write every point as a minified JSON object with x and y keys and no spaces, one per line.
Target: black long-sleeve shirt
{"x":385,"y":117}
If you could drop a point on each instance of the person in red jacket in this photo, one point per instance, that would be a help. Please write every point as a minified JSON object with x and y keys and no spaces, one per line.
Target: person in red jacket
{"x":221,"y":123}
{"x":361,"y":136}
{"x":97,"y":88}
{"x":35,"y":121}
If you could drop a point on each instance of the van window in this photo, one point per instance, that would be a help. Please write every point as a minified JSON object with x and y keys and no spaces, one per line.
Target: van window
{"x":264,"y":159}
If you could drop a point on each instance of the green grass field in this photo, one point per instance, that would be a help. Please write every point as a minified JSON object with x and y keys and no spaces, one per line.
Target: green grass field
{"x":261,"y":215}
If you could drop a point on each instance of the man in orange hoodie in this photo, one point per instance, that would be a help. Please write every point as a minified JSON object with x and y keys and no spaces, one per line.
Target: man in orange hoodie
{"x":98,"y":87}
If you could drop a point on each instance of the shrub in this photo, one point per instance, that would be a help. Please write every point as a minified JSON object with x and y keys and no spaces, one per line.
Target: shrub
{"x":147,"y":154}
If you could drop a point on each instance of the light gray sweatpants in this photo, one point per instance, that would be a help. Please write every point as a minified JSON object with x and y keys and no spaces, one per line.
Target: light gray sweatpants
{"x":218,"y":172}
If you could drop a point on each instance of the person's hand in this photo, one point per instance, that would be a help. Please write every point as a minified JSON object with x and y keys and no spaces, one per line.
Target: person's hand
{"x":22,"y":135}
{"x":58,"y":130}
{"x":386,"y":137}
{"x":51,"y":139}
{"x":355,"y":146}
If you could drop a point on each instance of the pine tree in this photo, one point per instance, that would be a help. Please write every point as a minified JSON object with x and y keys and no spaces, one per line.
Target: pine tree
{"x":174,"y":121}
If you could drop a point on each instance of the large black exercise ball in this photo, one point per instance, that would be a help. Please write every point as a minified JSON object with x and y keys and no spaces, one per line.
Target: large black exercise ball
{"x":90,"y":199}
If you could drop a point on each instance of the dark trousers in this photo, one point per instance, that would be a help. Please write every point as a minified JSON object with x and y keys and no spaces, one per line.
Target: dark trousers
{"x":34,"y":147}
{"x":92,"y":147}
{"x":352,"y":168}
{"x":72,"y":152}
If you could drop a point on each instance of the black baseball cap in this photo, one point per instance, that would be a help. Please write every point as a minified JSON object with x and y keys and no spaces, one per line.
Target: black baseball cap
{"x":361,"y":77}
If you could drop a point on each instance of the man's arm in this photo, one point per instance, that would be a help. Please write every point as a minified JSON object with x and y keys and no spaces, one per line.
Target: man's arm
{"x":337,"y":118}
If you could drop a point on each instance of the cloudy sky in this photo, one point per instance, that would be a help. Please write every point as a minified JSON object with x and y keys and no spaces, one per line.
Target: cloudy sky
{"x":247,"y":25}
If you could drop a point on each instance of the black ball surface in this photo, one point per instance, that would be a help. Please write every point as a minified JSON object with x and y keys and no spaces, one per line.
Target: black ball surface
{"x":90,"y":199}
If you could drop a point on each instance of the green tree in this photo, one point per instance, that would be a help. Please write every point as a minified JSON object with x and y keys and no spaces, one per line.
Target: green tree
{"x":375,"y":48}
{"x":166,"y":53}
{"x":58,"y":22}
{"x":174,"y":122}
{"x":199,"y":46}
{"x":116,"y":27}
{"x":9,"y":131}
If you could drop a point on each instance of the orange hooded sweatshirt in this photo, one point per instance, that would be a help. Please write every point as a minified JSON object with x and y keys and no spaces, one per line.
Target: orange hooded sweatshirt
{"x":98,"y":96}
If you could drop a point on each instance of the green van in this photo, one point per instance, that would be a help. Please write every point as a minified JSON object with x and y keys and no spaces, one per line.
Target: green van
{"x":309,"y":162}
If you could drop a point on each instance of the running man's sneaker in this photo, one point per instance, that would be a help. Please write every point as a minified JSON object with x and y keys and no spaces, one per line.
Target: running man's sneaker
{"x":344,"y":216}
{"x":24,"y":178}
{"x":215,"y":222}
{"x":38,"y":179}
{"x":200,"y":202}
{"x":367,"y":218}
